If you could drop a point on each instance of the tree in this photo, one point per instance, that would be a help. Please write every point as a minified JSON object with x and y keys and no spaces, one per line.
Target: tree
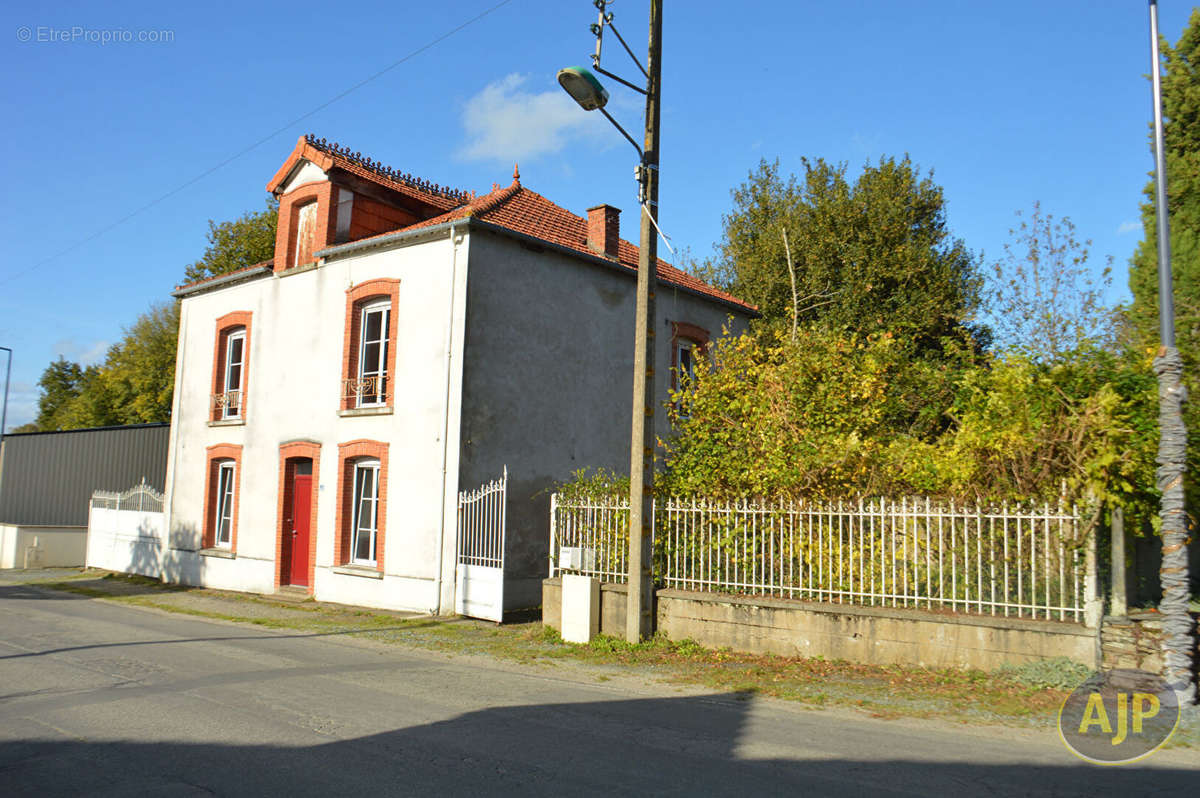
{"x":60,"y":384}
{"x":235,"y":244}
{"x":139,"y":372}
{"x":1045,"y":300}
{"x":870,"y":256}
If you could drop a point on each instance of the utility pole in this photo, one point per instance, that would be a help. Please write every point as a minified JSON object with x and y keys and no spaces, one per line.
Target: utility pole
{"x":1178,"y":643}
{"x":639,"y":619}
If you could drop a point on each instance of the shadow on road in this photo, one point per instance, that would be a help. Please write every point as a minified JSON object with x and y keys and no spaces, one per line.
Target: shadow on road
{"x":668,"y":746}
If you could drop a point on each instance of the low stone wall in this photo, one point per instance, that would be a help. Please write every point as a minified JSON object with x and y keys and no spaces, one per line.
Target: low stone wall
{"x":871,"y":635}
{"x":1134,"y":642}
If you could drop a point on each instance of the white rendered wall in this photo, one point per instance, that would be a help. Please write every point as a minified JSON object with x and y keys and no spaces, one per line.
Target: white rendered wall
{"x":293,"y":389}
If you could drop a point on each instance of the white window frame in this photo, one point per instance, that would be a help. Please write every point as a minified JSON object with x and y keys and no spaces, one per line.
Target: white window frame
{"x":226,"y":497}
{"x":685,"y":345}
{"x":234,"y":409}
{"x":368,"y":522}
{"x":379,"y":368}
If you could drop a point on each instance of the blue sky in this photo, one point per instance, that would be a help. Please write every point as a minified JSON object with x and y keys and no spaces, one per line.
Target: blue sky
{"x":1008,"y":103}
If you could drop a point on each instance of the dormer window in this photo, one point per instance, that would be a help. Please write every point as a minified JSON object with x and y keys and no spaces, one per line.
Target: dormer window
{"x":306,"y":233}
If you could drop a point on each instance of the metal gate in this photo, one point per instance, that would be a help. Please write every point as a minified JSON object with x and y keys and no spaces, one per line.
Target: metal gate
{"x":479,"y":574}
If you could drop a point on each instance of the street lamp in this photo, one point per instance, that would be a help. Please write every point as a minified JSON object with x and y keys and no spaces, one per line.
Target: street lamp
{"x":7,"y":380}
{"x":586,"y":90}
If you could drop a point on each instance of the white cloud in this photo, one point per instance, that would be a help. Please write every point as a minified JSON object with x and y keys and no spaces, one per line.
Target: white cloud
{"x":1129,"y":227}
{"x":85,"y":354}
{"x":508,"y":123}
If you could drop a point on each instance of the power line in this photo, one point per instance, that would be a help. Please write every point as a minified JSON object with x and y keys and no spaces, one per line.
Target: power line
{"x":256,"y":144}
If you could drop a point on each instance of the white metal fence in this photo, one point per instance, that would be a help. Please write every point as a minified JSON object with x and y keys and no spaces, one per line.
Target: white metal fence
{"x":1015,"y":561}
{"x":481,"y":516}
{"x":479,"y":572}
{"x":140,"y":497}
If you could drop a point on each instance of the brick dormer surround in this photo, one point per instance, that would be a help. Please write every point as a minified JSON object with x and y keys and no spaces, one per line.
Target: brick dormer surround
{"x":604,"y":229}
{"x":324,"y":194}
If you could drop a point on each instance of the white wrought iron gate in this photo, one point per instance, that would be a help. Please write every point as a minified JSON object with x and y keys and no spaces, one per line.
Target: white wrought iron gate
{"x":479,"y":574}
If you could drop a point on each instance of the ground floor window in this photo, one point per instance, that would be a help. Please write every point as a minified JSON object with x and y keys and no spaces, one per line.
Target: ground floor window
{"x":226,"y":473}
{"x":365,"y":524}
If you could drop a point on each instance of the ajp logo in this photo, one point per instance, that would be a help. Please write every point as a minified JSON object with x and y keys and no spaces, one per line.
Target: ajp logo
{"x":1118,"y":717}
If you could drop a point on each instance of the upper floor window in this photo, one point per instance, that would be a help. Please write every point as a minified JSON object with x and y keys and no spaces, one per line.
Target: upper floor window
{"x":373,"y":354}
{"x":685,"y":360}
{"x":369,"y":356}
{"x":230,"y":367}
{"x":235,"y":350}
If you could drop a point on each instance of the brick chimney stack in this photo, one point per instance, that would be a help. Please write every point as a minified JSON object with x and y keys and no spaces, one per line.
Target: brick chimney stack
{"x":604,"y":229}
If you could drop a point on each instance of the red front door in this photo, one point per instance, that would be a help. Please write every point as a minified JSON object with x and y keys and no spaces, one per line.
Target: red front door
{"x":301,"y":507}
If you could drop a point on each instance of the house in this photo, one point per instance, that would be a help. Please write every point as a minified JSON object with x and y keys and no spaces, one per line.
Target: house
{"x":407,"y":341}
{"x":47,"y":479}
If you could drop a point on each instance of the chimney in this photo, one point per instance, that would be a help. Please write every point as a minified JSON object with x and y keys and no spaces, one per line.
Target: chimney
{"x":604,"y":229}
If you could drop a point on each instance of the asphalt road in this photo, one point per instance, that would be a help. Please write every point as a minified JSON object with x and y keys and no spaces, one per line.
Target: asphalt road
{"x":102,"y":699}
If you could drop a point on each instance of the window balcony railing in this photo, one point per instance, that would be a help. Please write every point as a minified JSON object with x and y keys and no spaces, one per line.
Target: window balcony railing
{"x":227,"y":404}
{"x":365,"y":391}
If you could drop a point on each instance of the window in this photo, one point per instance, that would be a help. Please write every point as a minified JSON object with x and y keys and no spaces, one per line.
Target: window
{"x":365,"y":524}
{"x":235,"y":344}
{"x":684,"y":358}
{"x":226,"y":472}
{"x":231,"y":364}
{"x":369,"y":346}
{"x":361,"y":505}
{"x":373,"y":354}
{"x":306,"y":233}
{"x":223,"y":473}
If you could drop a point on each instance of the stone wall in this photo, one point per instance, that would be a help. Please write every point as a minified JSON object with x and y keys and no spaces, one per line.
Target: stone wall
{"x":1134,"y":642}
{"x":871,"y":635}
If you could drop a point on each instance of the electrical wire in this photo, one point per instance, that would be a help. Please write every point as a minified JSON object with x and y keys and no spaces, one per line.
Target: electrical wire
{"x":256,"y":144}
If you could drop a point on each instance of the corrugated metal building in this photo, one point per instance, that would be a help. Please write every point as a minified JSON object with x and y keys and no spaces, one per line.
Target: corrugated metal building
{"x":47,"y":478}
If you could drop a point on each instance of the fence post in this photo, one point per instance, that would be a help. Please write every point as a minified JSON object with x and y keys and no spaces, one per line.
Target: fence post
{"x":1120,"y":603}
{"x":1093,"y":606}
{"x":553,"y":532}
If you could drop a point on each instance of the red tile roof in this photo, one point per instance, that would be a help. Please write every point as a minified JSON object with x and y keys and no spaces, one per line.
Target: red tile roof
{"x":521,"y":210}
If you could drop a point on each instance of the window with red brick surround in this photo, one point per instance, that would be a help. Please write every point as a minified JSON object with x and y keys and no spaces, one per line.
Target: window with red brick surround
{"x":685,"y":335}
{"x":288,"y":454}
{"x":349,"y":455}
{"x":287,"y":234}
{"x":228,"y":401}
{"x":359,"y":298}
{"x":222,"y":454}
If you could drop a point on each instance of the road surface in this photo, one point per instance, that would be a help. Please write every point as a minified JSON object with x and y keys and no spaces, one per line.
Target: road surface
{"x":102,"y":699}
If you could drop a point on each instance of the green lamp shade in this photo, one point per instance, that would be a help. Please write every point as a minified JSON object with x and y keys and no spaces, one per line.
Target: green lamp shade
{"x":583,"y":88}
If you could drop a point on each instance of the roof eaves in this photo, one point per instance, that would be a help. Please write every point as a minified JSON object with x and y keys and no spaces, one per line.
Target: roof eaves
{"x":250,"y":273}
{"x":389,"y":239}
{"x":601,"y":260}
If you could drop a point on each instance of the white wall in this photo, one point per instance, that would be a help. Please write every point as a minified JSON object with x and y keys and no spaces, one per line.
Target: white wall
{"x":293,"y":390}
{"x":129,"y":541}
{"x":41,"y":546}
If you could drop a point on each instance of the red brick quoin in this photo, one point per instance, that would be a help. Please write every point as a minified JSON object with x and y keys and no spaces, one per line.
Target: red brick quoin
{"x":221,"y":451}
{"x":288,"y":454}
{"x":347,"y":454}
{"x":356,"y":297}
